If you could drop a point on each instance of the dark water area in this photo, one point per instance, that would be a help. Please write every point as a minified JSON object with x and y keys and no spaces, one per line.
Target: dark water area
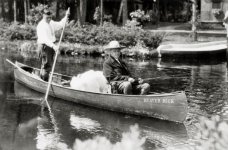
{"x":25,"y":124}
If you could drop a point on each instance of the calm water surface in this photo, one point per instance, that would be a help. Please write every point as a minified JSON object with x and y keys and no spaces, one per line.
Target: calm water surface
{"x":25,"y":125}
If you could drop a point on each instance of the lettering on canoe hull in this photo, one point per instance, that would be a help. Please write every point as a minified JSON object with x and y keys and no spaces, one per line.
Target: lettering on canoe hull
{"x":159,"y":101}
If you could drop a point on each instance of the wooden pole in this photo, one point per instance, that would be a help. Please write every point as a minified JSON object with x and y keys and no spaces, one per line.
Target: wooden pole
{"x":194,"y":32}
{"x":53,"y":67}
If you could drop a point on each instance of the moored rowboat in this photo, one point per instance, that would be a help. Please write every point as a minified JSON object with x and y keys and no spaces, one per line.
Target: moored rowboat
{"x":217,"y":47}
{"x":169,"y":106}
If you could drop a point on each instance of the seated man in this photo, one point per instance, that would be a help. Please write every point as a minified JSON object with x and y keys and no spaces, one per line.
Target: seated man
{"x":117,"y":73}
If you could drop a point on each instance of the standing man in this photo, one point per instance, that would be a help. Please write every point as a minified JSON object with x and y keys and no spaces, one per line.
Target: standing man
{"x":117,"y":73}
{"x":46,"y":41}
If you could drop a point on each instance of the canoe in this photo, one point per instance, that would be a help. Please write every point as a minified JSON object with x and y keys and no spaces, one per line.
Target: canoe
{"x":218,"y":47}
{"x":154,"y":129}
{"x":166,"y":106}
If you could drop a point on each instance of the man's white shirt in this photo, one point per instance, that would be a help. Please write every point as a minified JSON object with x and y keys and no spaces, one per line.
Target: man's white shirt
{"x":46,"y":31}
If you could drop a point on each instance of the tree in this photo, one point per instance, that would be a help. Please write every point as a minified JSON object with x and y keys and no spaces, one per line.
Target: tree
{"x":78,"y":13}
{"x":3,"y":9}
{"x":102,"y":12}
{"x":83,"y":10}
{"x":194,"y":19}
{"x":25,"y":11}
{"x":57,"y":8}
{"x":15,"y":11}
{"x":125,"y":12}
{"x":10,"y":10}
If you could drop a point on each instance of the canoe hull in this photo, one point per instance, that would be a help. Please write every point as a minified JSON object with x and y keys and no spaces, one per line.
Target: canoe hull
{"x":199,"y":49}
{"x":171,"y":106}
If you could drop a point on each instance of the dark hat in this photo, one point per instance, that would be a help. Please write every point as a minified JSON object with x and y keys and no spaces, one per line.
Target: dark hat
{"x":47,"y":12}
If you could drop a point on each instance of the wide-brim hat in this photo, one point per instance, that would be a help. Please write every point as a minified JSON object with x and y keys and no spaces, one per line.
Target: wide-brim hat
{"x":114,"y":45}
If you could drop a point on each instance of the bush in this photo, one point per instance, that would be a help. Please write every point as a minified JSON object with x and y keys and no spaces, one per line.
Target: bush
{"x":88,"y":35}
{"x":20,"y":32}
{"x":35,"y":14}
{"x":101,"y":35}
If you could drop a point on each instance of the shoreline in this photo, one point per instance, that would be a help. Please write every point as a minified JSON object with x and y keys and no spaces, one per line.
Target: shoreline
{"x":138,"y":51}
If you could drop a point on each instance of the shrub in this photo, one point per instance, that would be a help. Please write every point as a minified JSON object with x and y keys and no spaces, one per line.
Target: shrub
{"x":35,"y":14}
{"x":89,"y":35}
{"x":20,"y":32}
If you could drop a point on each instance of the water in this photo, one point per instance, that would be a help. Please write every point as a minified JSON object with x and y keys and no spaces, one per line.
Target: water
{"x":25,"y":124}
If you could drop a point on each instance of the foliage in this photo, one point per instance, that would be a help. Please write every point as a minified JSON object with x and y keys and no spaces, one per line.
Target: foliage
{"x":89,"y":35}
{"x":20,"y":32}
{"x":133,"y":24}
{"x":214,"y":134}
{"x":140,"y":15}
{"x":35,"y":14}
{"x":101,"y":35}
{"x":217,"y":12}
{"x":97,"y":16}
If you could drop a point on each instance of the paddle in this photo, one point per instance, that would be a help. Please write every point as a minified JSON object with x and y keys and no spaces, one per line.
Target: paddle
{"x":161,"y":78}
{"x":53,"y":67}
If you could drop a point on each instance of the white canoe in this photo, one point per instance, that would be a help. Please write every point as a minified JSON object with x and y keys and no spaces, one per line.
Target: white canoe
{"x":216,"y":47}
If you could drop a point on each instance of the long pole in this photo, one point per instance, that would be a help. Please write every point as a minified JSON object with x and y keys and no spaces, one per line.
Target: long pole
{"x":53,"y":67}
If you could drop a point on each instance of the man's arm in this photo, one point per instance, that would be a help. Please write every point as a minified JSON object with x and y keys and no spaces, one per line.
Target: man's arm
{"x":57,"y":25}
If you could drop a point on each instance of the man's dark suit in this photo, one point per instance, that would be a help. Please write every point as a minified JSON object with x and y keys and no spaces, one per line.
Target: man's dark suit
{"x":114,"y":70}
{"x":117,"y":73}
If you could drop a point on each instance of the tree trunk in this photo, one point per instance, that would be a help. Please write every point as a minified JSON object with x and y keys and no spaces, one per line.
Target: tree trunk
{"x":28,"y":7}
{"x":120,"y":12}
{"x":3,"y":10}
{"x":194,"y":33}
{"x":158,"y":12}
{"x":25,"y":12}
{"x":83,"y":10}
{"x":102,"y":12}
{"x":125,"y":12}
{"x":15,"y":11}
{"x":78,"y":13}
{"x":10,"y":10}
{"x":165,"y":10}
{"x":57,"y":9}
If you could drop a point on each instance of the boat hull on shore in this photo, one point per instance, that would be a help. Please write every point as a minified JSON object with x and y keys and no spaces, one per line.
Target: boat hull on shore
{"x":169,"y":106}
{"x":207,"y":48}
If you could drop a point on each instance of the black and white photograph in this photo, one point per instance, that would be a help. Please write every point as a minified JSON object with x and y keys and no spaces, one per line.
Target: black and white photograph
{"x":113,"y":74}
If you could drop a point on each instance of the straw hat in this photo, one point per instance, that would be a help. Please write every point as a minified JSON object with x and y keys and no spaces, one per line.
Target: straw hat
{"x":113,"y":45}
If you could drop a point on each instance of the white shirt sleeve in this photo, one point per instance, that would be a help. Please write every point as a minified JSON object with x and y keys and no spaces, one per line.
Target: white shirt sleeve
{"x":57,"y":25}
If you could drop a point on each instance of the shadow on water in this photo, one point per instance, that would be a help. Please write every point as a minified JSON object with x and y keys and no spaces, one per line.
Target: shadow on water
{"x":76,"y":121}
